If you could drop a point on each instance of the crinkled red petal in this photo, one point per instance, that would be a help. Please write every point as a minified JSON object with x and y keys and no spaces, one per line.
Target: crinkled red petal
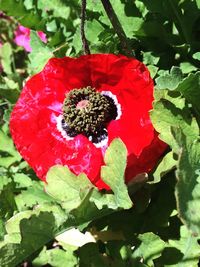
{"x":33,"y":121}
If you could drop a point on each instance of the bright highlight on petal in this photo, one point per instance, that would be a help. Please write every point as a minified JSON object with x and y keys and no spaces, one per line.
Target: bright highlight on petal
{"x":70,"y":112}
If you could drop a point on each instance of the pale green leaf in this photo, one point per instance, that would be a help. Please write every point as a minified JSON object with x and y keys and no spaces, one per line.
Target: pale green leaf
{"x":56,"y":258}
{"x":58,"y":7}
{"x":6,"y":57}
{"x":187,"y":67}
{"x":166,"y":115}
{"x":170,"y":81}
{"x":66,"y":187}
{"x":113,"y":172}
{"x":150,"y":248}
{"x":40,"y":53}
{"x":167,"y":164}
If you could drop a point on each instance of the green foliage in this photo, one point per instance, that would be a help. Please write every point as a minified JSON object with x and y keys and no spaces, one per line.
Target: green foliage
{"x":76,"y":194}
{"x":171,"y":80}
{"x":29,"y":18}
{"x":189,"y":87}
{"x":155,"y":222}
{"x":7,"y":147}
{"x":182,"y":252}
{"x":113,"y":172}
{"x":56,"y":258}
{"x":188,"y":186}
{"x":39,"y":55}
{"x":89,"y":256}
{"x":151,"y":247}
{"x":167,"y":164}
{"x":6,"y":57}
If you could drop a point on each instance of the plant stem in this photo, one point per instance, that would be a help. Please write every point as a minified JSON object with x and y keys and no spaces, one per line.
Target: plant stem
{"x":117,"y":27}
{"x":83,"y":38}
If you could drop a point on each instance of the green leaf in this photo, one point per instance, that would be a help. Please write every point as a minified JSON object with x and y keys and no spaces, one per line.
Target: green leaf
{"x":29,"y":231}
{"x":166,"y":115}
{"x":28,"y":18}
{"x":6,"y":57}
{"x":150,"y":248}
{"x":94,"y":28}
{"x":58,"y":7}
{"x":42,"y":228}
{"x":77,"y":195}
{"x":90,"y":256}
{"x":56,"y":258}
{"x":113,"y":173}
{"x":119,"y":253}
{"x":170,"y":81}
{"x":188,"y":176}
{"x":22,"y":180}
{"x":33,"y":195}
{"x":6,"y":146}
{"x":7,"y":202}
{"x":40,"y":53}
{"x":66,"y":187}
{"x":130,"y":24}
{"x":73,"y":191}
{"x":188,"y":245}
{"x":4,"y":181}
{"x":190,"y":88}
{"x":196,"y":55}
{"x":183,"y":252}
{"x":173,"y":96}
{"x":77,"y":41}
{"x":167,"y":164}
{"x":153,"y":70}
{"x":150,"y":59}
{"x":9,"y":89}
{"x":156,"y":218}
{"x":187,"y":67}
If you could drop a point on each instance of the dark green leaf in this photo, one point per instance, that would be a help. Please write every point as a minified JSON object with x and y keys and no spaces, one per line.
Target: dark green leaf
{"x":190,"y":88}
{"x":188,"y":176}
{"x":90,"y":256}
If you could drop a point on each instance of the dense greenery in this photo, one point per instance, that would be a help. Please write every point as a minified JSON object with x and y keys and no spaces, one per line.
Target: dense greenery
{"x":162,"y":226}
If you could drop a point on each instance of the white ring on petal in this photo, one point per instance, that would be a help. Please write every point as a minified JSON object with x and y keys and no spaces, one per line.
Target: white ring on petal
{"x":60,"y":128}
{"x":117,"y":104}
{"x":102,"y":143}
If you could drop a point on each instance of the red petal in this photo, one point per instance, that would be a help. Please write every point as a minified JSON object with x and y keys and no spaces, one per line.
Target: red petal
{"x":33,"y":122}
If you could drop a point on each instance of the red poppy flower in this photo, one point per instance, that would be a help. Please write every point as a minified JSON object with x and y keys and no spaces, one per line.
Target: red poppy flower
{"x":70,"y":112}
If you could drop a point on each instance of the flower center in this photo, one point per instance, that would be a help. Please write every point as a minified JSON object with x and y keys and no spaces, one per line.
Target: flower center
{"x":87,"y":112}
{"x":82,"y":104}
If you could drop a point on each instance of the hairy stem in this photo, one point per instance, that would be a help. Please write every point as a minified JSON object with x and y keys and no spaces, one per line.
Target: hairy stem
{"x":83,"y":37}
{"x":117,"y":27}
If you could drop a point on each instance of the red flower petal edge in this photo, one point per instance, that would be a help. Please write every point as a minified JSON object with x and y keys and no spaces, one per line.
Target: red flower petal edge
{"x":34,"y":120}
